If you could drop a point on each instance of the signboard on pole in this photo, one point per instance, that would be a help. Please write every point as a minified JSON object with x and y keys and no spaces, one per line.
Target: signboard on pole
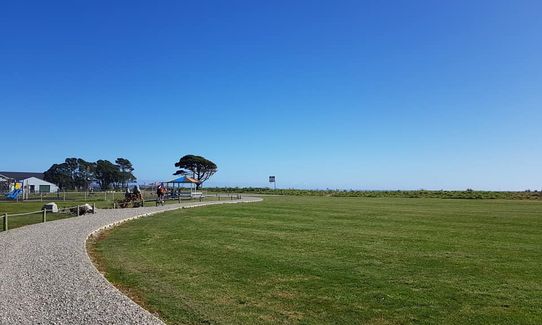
{"x":272,"y":180}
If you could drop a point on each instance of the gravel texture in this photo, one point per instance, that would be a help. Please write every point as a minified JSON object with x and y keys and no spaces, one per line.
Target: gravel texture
{"x":46,"y":276}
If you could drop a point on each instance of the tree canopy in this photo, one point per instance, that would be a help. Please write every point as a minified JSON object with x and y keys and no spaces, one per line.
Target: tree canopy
{"x":77,"y":173}
{"x":198,"y":167}
{"x":126,"y":169}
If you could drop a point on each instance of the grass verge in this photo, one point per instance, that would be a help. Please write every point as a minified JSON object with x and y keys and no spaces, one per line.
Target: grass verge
{"x":334,"y":260}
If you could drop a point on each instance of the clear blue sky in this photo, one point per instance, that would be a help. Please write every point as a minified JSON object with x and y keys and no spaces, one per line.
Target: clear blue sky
{"x":338,"y":94}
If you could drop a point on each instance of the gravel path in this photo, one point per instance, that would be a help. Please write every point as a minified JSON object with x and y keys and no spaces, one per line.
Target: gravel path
{"x":46,"y":276}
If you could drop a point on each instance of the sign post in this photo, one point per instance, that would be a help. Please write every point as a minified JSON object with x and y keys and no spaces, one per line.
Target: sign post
{"x":272,"y":180}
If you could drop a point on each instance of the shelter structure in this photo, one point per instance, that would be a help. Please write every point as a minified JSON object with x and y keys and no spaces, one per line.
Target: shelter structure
{"x":177,"y":186}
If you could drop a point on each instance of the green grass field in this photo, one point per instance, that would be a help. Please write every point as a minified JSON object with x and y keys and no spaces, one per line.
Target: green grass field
{"x":323,"y":260}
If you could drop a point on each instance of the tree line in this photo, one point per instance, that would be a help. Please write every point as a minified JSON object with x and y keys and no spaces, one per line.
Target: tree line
{"x":79,"y":174}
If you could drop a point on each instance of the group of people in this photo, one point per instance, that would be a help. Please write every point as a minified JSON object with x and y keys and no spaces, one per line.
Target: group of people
{"x":161,"y":192}
{"x":135,"y":193}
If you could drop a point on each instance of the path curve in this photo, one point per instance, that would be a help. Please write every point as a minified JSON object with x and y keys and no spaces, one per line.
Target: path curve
{"x":46,"y":276}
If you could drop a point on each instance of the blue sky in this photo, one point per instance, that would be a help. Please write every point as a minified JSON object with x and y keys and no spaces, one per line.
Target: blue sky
{"x":322,"y":94}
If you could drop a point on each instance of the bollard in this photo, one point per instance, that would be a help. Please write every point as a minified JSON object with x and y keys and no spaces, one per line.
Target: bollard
{"x":5,"y":221}
{"x":44,"y":216}
{"x":93,"y":208}
{"x":78,"y":211}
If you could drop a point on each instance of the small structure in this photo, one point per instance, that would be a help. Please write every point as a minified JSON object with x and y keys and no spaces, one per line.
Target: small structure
{"x":176,"y":187}
{"x":50,"y":207}
{"x":32,"y":182}
{"x":5,"y":183}
{"x":82,"y":209}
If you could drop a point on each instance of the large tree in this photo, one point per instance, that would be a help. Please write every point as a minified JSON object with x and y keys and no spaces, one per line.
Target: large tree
{"x":107,"y":174}
{"x":73,"y":173}
{"x":77,"y":173}
{"x":198,"y":167}
{"x":126,"y":169}
{"x":86,"y":173}
{"x":60,"y":175}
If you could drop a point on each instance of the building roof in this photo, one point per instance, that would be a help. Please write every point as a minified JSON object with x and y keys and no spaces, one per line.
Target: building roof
{"x":18,"y":176}
{"x":183,"y":179}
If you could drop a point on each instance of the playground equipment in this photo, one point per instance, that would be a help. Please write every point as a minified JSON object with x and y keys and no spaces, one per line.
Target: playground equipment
{"x":15,"y":192}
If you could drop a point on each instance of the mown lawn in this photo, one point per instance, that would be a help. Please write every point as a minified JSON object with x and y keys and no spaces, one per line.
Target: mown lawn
{"x":318,"y":260}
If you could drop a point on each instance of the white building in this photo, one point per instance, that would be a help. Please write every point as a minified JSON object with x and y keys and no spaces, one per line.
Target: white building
{"x":36,"y":185}
{"x":32,"y":182}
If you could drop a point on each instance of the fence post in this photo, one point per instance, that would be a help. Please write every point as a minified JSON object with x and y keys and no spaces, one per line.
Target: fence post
{"x":44,"y":216}
{"x":64,"y":195}
{"x":93,"y":208}
{"x":105,"y":195}
{"x":41,"y":197}
{"x":5,"y":221}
